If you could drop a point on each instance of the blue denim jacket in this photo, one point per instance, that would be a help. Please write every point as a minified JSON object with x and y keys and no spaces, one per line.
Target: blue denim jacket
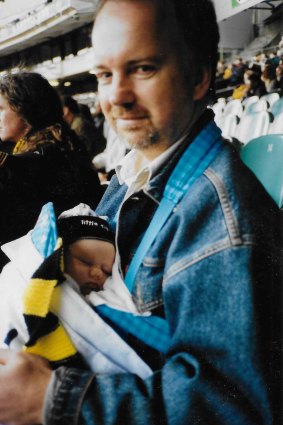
{"x":214,"y":268}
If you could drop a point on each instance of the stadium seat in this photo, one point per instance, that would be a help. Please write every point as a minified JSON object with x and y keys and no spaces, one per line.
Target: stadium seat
{"x":234,"y":107}
{"x":228,"y":124}
{"x":252,"y":126}
{"x":271,"y":98}
{"x":264,"y":156}
{"x":258,"y":106}
{"x":248,"y":101}
{"x":221,"y":100}
{"x":277,"y":107}
{"x":276,"y":127}
{"x":218,"y":109}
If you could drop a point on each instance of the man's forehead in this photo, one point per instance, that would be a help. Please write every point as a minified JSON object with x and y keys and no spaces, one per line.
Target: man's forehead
{"x":128,"y":30}
{"x":127,"y":10}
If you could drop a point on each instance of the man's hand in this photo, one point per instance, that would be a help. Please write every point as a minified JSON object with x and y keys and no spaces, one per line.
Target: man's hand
{"x":23,"y":382}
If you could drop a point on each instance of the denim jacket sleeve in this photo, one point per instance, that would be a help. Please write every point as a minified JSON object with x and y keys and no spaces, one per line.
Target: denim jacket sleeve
{"x":217,"y":295}
{"x":211,"y":374}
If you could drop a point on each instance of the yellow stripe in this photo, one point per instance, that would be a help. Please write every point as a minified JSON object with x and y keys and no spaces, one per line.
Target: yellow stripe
{"x":54,"y":346}
{"x":37,"y":297}
{"x":3,"y":157}
{"x":19,"y":146}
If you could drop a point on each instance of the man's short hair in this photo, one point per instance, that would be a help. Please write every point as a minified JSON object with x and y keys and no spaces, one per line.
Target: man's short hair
{"x":193,"y":29}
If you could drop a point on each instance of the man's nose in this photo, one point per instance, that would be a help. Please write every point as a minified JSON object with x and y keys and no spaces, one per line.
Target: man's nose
{"x":121,"y":91}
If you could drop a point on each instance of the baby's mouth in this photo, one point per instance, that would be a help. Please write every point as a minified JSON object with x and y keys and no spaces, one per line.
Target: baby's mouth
{"x":87,"y":288}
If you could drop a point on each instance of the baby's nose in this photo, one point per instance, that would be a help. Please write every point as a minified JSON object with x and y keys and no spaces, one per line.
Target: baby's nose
{"x":97,"y":275}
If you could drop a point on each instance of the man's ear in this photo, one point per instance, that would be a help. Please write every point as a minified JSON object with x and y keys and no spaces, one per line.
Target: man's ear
{"x":201,"y":88}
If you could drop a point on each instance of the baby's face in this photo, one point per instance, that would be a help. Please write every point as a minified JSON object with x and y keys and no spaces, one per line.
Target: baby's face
{"x":89,"y":262}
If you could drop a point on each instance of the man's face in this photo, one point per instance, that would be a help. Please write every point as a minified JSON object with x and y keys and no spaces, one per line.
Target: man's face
{"x":12,"y":126}
{"x":89,"y":262}
{"x":142,"y":88}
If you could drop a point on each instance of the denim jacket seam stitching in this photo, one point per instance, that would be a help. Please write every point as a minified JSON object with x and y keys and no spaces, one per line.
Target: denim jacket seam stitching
{"x":182,"y":265}
{"x":54,"y":416}
{"x":53,"y":413}
{"x":82,"y":396}
{"x":229,"y":216}
{"x":150,"y":305}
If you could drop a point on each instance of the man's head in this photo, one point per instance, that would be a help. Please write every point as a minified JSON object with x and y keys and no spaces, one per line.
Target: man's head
{"x":155,"y":61}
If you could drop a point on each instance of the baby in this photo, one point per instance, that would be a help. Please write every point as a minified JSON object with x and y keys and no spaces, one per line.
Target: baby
{"x":45,"y":314}
{"x":89,"y":249}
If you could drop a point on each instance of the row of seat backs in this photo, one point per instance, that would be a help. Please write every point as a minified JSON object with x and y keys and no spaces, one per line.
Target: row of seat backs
{"x":250,"y":126}
{"x":270,"y":102}
{"x":264,"y":156}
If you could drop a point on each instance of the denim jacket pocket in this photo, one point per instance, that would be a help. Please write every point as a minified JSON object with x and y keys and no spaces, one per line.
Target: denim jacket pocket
{"x":147,"y":293}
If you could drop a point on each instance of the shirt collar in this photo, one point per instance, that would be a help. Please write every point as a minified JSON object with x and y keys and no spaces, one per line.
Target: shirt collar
{"x":135,"y":169}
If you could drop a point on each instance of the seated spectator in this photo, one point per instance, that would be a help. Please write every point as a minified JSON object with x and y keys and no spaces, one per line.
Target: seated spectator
{"x":256,"y":64}
{"x":279,"y":79}
{"x":45,"y":161}
{"x":84,"y":129}
{"x":240,"y":90}
{"x":256,"y":86}
{"x":227,"y":72}
{"x":238,"y":70}
{"x":269,"y":77}
{"x":273,"y":59}
{"x":85,"y":112}
{"x":106,"y":161}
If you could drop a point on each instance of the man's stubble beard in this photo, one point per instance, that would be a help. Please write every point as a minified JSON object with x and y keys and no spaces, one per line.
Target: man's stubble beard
{"x":141,"y":143}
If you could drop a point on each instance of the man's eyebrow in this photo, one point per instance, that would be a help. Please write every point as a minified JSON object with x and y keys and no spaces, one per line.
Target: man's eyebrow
{"x":157,"y":59}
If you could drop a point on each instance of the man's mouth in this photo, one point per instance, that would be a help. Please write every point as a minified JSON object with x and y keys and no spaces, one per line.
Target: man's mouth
{"x":129,"y":121}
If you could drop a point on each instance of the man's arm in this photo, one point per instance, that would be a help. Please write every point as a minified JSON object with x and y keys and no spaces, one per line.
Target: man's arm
{"x":23,"y":382}
{"x":213,"y":372}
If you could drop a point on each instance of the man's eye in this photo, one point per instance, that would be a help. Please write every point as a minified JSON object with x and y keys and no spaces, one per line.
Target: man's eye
{"x":145,"y":70}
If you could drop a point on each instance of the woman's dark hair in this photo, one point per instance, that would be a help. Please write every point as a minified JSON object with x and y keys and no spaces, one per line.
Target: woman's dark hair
{"x":33,"y":98}
{"x":269,"y":72}
{"x":193,"y":29}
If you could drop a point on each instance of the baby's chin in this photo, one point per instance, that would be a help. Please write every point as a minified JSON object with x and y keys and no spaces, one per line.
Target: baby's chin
{"x":87,"y":288}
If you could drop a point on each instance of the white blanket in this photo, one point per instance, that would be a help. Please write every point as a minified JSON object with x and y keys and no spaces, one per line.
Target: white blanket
{"x":102,"y":348}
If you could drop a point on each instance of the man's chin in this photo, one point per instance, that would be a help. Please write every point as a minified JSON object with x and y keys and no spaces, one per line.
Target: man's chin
{"x":138,"y":139}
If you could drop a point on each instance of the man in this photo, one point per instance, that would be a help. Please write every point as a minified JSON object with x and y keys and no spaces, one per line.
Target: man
{"x":211,"y":271}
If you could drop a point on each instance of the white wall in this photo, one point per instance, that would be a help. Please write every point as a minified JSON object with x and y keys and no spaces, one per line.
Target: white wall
{"x":235,"y":32}
{"x":14,"y":8}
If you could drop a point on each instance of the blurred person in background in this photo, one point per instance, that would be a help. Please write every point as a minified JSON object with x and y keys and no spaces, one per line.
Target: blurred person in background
{"x":256,"y":86}
{"x":279,"y":78}
{"x":41,"y":159}
{"x":85,"y":112}
{"x":82,"y":126}
{"x":269,"y":77}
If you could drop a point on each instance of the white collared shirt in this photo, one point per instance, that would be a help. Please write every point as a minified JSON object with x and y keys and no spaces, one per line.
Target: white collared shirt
{"x":137,"y":179}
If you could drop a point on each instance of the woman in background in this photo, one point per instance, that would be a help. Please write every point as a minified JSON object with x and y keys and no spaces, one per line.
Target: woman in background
{"x":41,"y":158}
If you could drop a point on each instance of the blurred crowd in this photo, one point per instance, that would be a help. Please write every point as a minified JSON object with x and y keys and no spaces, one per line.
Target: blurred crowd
{"x":260,"y":75}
